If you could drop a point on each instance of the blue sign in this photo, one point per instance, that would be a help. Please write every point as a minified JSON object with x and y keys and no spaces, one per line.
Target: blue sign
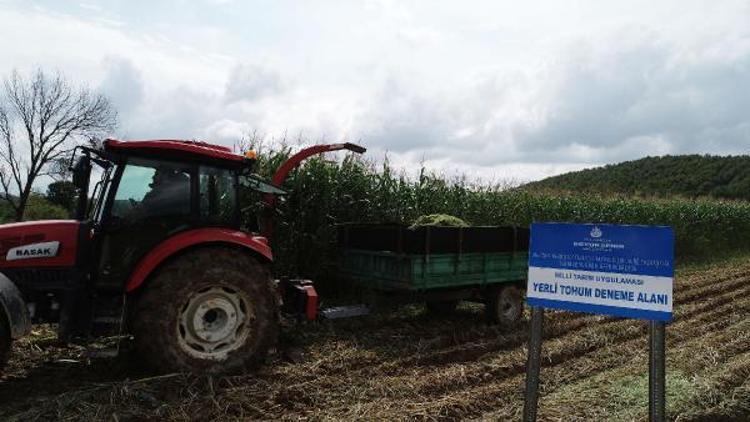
{"x":608,"y":269}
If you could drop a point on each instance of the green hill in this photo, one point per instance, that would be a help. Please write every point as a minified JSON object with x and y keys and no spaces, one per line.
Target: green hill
{"x":726,"y":177}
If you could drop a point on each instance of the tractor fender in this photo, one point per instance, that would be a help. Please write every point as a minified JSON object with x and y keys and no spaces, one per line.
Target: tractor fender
{"x":179,"y":242}
{"x":14,"y":307}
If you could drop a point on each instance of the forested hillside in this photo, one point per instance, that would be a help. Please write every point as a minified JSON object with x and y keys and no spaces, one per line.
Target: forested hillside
{"x":682,"y":175}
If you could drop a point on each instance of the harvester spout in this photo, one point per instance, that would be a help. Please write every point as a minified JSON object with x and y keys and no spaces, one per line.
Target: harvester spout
{"x":287,"y":166}
{"x":283,"y":171}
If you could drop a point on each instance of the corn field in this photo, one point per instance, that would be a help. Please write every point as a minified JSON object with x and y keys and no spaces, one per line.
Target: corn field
{"x":411,"y":363}
{"x":323,"y":193}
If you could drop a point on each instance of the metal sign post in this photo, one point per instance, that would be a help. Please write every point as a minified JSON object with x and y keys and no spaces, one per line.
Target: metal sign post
{"x":533,"y":364}
{"x":657,"y":372}
{"x":608,"y":269}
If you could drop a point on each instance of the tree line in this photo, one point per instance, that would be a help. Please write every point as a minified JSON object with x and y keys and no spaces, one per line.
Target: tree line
{"x":689,"y":176}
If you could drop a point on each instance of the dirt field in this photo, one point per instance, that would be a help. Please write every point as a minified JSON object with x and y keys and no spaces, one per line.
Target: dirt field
{"x":407,"y":364}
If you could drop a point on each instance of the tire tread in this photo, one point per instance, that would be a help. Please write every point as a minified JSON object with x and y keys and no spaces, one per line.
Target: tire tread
{"x":156,"y":308}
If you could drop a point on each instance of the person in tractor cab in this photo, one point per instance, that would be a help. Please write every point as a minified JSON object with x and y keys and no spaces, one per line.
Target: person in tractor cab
{"x":152,"y":189}
{"x":153,"y":201}
{"x":170,"y":190}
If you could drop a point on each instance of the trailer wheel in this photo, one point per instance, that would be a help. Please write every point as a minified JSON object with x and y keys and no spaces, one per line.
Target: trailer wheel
{"x":212,"y":310}
{"x":441,"y":307}
{"x":5,"y":340}
{"x":504,"y":305}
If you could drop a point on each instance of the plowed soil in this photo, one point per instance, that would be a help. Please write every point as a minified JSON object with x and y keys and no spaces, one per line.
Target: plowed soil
{"x":408,"y":364}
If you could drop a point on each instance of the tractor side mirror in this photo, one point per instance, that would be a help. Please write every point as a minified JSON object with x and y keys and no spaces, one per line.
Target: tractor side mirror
{"x":81,"y":172}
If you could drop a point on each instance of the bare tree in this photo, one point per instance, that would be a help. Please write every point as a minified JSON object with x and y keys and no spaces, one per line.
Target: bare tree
{"x":41,"y":120}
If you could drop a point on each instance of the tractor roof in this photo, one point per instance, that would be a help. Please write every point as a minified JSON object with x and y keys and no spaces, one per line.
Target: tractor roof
{"x":193,"y":149}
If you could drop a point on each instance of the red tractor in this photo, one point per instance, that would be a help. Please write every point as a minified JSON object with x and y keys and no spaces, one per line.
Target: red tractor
{"x":157,"y":251}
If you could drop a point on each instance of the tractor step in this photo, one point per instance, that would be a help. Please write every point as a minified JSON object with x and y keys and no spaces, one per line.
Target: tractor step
{"x":105,"y":326}
{"x":108,"y":316}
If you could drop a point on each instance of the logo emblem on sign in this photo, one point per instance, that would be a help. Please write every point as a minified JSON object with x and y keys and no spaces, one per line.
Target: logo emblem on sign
{"x":596,"y":232}
{"x":34,"y":250}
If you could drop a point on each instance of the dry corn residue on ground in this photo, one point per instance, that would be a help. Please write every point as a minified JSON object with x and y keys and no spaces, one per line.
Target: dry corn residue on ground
{"x":407,"y":364}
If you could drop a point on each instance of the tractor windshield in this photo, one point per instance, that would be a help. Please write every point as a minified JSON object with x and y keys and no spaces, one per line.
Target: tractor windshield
{"x":151,"y":189}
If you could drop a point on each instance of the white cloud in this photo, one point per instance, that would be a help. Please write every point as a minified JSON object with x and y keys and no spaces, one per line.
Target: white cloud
{"x":249,"y":82}
{"x":498,"y":89}
{"x":123,"y":84}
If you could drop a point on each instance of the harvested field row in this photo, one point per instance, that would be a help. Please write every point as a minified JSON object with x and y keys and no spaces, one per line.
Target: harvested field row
{"x":566,"y":361}
{"x":406,"y":363}
{"x":463,"y":346}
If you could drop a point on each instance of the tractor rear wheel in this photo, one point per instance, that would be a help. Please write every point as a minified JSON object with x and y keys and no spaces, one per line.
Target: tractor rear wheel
{"x":212,"y":310}
{"x":504,"y":305}
{"x":5,"y":340}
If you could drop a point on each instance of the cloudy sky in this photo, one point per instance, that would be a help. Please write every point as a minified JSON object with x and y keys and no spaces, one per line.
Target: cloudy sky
{"x":497,"y":90}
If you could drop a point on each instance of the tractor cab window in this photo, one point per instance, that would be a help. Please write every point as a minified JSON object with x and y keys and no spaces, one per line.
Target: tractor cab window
{"x":218,"y":196}
{"x":152,"y":202}
{"x":152,"y":189}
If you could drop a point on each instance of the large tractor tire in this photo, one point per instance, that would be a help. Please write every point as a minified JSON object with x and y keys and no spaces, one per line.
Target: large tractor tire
{"x":209,"y":311}
{"x":504,"y":305}
{"x":5,"y":340}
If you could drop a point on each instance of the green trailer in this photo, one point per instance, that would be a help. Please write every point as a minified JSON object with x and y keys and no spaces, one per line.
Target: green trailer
{"x":440,"y":265}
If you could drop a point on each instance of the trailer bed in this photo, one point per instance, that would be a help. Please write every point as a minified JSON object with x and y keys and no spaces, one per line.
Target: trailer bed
{"x":397,"y":258}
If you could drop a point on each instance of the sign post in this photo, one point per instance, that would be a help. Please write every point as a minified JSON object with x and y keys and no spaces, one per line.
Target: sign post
{"x":617,"y":270}
{"x":533,"y":364}
{"x":657,"y":372}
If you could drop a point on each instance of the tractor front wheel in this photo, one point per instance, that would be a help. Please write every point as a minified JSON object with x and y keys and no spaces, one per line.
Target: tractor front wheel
{"x":5,"y":340}
{"x":211,"y":311}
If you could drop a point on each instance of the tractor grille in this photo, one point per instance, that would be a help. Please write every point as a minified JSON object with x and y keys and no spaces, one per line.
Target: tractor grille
{"x":42,"y":278}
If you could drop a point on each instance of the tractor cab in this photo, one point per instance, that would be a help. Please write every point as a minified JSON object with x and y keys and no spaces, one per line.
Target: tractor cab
{"x":151,"y":190}
{"x":157,"y":250}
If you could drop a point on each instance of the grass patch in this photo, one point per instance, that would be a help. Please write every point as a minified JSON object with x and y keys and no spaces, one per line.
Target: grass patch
{"x":618,"y":396}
